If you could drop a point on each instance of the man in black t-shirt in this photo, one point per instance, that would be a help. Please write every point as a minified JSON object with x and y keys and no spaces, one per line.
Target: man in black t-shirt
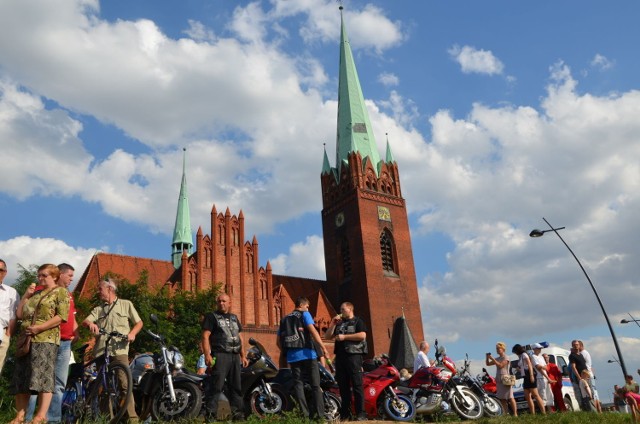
{"x":577,"y":364}
{"x":222,"y":340}
{"x":350,"y":334}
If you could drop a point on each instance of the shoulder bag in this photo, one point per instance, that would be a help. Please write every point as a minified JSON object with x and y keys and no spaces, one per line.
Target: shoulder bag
{"x":508,"y":379}
{"x":23,"y":344}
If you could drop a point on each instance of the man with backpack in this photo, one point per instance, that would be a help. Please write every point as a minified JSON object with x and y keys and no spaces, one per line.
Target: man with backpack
{"x":295,"y":337}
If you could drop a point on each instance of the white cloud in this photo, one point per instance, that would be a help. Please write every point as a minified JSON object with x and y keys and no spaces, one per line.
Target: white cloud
{"x":472,"y":60}
{"x":199,"y":32}
{"x":305,"y":259}
{"x":25,"y":251}
{"x":369,"y":28}
{"x":601,"y":62}
{"x":388,"y":79}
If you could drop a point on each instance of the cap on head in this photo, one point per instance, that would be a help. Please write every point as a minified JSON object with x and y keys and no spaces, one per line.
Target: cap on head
{"x":536,"y":346}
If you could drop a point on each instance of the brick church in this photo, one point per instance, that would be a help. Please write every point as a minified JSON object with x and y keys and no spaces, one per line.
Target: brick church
{"x":367,"y":243}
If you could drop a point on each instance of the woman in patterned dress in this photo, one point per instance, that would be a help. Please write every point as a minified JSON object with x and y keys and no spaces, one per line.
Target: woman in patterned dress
{"x":35,"y":372}
{"x":504,"y":393}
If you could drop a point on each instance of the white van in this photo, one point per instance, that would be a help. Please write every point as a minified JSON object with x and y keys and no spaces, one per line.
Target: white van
{"x":560,"y":357}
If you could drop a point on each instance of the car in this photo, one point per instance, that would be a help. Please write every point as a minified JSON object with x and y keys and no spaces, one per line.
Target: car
{"x":560,"y":357}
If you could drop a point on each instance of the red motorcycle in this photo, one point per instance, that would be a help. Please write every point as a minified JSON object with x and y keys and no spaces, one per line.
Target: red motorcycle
{"x":381,"y":398}
{"x":488,"y":382}
{"x":433,"y":389}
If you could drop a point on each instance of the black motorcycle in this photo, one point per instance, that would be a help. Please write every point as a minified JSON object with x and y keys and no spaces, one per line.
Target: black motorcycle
{"x":491,"y":405}
{"x":332,"y":402}
{"x":160,"y":388}
{"x":259,"y":396}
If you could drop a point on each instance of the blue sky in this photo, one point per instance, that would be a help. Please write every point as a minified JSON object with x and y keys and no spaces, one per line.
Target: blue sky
{"x":498,"y":113}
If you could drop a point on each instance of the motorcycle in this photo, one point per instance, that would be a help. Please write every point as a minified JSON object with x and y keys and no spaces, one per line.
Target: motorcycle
{"x":259,"y":395}
{"x":381,"y":398}
{"x":284,"y":381}
{"x":432,"y":390}
{"x":488,"y":382}
{"x":160,"y":387}
{"x":491,"y":405}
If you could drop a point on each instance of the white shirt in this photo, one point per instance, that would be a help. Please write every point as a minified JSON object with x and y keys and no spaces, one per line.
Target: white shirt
{"x":9,"y":300}
{"x":421,"y":361}
{"x":538,"y":360}
{"x":587,"y":359}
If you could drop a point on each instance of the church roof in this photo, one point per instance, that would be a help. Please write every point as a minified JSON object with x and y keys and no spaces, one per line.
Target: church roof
{"x":128,"y":267}
{"x":294,"y":287}
{"x":355,"y":133}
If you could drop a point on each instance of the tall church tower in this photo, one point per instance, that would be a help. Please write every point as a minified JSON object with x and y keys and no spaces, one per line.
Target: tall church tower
{"x":367,"y":243}
{"x":182,"y":239}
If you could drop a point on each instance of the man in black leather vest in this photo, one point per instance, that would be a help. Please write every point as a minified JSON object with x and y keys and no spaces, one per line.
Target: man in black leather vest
{"x":350,"y":334}
{"x":224,"y":351}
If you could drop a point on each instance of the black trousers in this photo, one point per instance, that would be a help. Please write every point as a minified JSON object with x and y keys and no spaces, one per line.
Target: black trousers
{"x":309,"y":369}
{"x":227,"y":368}
{"x":349,"y":376}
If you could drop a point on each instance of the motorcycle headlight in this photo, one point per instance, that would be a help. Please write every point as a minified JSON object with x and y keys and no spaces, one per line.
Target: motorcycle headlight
{"x":178,"y":360}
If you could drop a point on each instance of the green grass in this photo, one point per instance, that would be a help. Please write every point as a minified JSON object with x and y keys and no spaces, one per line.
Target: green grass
{"x":7,"y":414}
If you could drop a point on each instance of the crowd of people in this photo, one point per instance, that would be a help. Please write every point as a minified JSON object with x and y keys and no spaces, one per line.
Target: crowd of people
{"x":47,"y":314}
{"x":48,"y":319}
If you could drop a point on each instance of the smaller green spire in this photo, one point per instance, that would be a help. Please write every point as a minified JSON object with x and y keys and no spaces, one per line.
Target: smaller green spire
{"x":326,"y":167}
{"x":182,"y":237}
{"x":389,"y":158}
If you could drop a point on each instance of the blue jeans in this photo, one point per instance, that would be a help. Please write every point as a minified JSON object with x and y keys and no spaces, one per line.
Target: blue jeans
{"x":54,"y":414}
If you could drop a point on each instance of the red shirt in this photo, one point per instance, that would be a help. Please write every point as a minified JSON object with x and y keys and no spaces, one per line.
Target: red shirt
{"x":66,"y":328}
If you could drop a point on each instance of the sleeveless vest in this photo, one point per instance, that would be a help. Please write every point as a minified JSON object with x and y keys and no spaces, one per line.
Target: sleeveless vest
{"x":226,"y":334}
{"x":351,"y":347}
{"x":293,"y":334}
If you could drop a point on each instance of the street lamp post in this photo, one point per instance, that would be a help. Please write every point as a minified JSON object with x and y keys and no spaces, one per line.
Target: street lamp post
{"x":626,"y":321}
{"x":540,"y":233}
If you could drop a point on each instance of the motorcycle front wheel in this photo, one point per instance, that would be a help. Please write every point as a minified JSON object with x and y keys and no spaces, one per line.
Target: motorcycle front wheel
{"x":332,"y":405}
{"x":399,"y":407}
{"x":492,"y":407}
{"x":262,"y":404}
{"x":186,"y":407}
{"x":466,"y":404}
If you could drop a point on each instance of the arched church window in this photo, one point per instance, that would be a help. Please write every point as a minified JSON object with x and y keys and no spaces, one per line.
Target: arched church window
{"x":278,"y":313}
{"x":263,"y":289}
{"x":249,"y":263}
{"x":387,"y":252}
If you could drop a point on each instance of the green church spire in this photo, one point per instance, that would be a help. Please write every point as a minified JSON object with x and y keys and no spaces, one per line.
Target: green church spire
{"x":389,"y":158}
{"x":182,"y":239}
{"x":354,"y":128}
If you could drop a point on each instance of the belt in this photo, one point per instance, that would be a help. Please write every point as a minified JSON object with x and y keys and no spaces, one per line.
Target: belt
{"x":65,"y":340}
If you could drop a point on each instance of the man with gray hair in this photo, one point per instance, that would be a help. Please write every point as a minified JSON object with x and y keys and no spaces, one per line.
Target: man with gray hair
{"x":422,"y":360}
{"x":9,"y":300}
{"x":119,"y":315}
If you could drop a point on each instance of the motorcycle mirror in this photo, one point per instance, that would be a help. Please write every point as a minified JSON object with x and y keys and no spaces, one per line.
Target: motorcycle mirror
{"x":154,"y":318}
{"x":252,"y":341}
